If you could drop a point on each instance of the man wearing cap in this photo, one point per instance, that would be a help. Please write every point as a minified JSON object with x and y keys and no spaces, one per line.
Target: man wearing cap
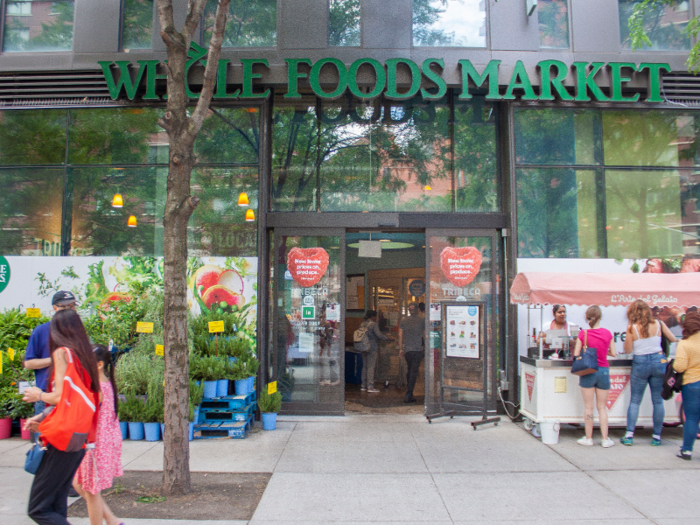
{"x":38,"y":355}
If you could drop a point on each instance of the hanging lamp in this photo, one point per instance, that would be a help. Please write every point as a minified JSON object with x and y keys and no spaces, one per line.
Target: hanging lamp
{"x":117,"y":201}
{"x":249,"y":215}
{"x":131,"y":223}
{"x":243,"y":199}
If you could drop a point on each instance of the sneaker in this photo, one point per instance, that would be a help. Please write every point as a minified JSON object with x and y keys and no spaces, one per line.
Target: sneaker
{"x":627,"y":441}
{"x":607,"y":443}
{"x":585,"y":442}
{"x":372,"y":391}
{"x":684,"y":454}
{"x":655,"y":442}
{"x":363,"y":389}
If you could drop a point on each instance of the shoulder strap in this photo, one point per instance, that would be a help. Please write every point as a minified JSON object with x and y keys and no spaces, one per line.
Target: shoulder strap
{"x":585,"y":339}
{"x":636,"y":331}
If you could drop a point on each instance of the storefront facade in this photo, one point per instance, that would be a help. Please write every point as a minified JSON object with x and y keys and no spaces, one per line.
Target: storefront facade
{"x":481,"y":138}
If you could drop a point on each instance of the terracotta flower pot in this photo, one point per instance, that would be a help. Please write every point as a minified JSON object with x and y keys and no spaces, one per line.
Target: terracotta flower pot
{"x":5,"y":427}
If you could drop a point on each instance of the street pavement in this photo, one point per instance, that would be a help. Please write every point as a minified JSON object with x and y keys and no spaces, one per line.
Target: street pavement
{"x":400,"y":470}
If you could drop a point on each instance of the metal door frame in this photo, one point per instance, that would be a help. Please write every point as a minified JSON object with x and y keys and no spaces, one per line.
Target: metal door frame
{"x":299,"y":407}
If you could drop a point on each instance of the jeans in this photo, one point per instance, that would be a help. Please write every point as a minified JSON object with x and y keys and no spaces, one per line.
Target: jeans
{"x":369,"y":364}
{"x":691,"y":407}
{"x":647,"y":369}
{"x":48,"y":499}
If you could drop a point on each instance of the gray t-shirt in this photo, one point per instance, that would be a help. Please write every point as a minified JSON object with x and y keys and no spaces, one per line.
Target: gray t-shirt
{"x":413,"y":327}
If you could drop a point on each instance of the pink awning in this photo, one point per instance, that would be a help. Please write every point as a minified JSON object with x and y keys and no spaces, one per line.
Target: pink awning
{"x":606,"y":289}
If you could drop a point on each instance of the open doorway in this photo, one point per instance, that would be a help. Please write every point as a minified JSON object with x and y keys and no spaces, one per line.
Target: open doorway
{"x":385,"y":272}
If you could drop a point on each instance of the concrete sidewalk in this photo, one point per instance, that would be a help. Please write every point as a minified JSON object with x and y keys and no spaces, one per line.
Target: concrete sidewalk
{"x":402,"y":470}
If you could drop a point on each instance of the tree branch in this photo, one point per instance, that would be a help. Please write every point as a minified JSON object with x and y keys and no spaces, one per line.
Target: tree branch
{"x":194,"y":17}
{"x":165,"y":17}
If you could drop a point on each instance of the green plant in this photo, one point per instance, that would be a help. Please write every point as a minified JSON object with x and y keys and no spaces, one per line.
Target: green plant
{"x":207,"y":368}
{"x":236,"y":370}
{"x":133,"y":410}
{"x":270,"y":403}
{"x":191,"y":413}
{"x":134,"y":371}
{"x":155,"y":402}
{"x":196,"y":393}
{"x":21,"y":409}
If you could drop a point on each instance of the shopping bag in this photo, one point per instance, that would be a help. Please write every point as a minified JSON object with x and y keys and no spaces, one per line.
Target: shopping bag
{"x":587,"y":362}
{"x":34,"y":456}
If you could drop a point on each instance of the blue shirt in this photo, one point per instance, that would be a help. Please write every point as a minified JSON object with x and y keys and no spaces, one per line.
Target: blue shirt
{"x":38,"y":348}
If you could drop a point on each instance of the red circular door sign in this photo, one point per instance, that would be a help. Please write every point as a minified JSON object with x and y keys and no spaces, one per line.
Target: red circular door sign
{"x":307,"y":265}
{"x":460,"y":265}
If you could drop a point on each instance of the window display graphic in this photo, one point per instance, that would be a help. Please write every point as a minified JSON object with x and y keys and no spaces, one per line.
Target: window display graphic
{"x":460,"y":265}
{"x":307,"y":265}
{"x":462,"y":328}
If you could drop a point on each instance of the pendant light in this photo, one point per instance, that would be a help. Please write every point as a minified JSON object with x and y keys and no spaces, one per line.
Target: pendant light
{"x":117,"y":201}
{"x":249,"y":215}
{"x":131,"y":223}
{"x":243,"y":199}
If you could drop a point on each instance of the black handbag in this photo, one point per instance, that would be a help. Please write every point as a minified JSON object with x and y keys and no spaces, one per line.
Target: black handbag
{"x":673,"y":381}
{"x":34,"y":456}
{"x":587,"y":362}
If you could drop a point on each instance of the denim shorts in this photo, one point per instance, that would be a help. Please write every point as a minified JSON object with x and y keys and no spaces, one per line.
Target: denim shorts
{"x":599,"y":379}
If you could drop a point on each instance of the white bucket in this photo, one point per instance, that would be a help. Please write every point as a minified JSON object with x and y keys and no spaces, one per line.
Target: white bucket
{"x":550,"y":432}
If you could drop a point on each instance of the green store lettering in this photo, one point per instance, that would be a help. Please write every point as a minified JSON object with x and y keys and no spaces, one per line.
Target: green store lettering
{"x":552,"y":75}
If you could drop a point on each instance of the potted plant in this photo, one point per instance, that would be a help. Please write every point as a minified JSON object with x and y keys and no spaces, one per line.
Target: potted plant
{"x":133,"y":411}
{"x":252,"y":365}
{"x":208,"y":369}
{"x":269,"y":405}
{"x":152,"y":414}
{"x":236,"y":371}
{"x":196,"y":396}
{"x":192,"y":422}
{"x":22,"y":411}
{"x":122,"y":415}
{"x":7,"y":395}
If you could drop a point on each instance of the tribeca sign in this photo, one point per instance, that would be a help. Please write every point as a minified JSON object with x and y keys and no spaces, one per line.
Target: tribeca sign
{"x":552,"y":74}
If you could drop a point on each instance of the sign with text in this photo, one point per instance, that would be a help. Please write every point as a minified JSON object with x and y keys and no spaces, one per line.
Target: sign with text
{"x":462,"y":331}
{"x":160,"y":350}
{"x":307,"y":265}
{"x":33,"y":313}
{"x":216,"y":327}
{"x":144,"y":328}
{"x":460,"y":265}
{"x":272,"y":388}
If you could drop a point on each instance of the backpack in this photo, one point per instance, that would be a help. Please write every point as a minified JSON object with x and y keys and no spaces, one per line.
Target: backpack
{"x":73,"y":422}
{"x":673,"y":382}
{"x":361,"y":338}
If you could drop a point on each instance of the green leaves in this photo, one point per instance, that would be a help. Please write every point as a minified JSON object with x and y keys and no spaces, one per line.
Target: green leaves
{"x":270,"y":403}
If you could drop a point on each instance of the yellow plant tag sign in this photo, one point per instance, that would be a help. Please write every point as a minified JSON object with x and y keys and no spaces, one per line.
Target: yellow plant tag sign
{"x":160,"y":350}
{"x":271,"y":388}
{"x":216,"y":327}
{"x":0,"y":363}
{"x":11,"y":353}
{"x":33,"y":312}
{"x":144,"y":328}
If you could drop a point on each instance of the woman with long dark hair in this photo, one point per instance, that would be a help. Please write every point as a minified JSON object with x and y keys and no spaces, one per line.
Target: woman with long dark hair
{"x":74,"y":391}
{"x":688,"y":361}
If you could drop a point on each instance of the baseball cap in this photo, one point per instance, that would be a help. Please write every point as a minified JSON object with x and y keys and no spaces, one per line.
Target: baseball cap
{"x":63,"y":298}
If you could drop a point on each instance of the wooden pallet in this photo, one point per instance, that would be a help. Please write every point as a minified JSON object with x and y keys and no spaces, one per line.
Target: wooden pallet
{"x":228,"y":402}
{"x":216,"y":414}
{"x":223,"y":429}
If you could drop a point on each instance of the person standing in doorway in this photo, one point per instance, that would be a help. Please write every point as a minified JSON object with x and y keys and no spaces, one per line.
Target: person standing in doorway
{"x":411,"y":333}
{"x":369,"y":358}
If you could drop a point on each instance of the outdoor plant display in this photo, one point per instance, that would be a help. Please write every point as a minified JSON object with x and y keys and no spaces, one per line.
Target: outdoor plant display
{"x":270,"y":405}
{"x":208,"y":370}
{"x":133,"y":411}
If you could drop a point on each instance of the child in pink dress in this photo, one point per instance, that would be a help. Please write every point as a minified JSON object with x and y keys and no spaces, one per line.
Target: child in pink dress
{"x":104,"y":462}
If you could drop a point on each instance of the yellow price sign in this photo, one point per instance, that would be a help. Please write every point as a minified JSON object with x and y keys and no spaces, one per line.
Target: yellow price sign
{"x":11,"y":353}
{"x":216,"y":327}
{"x":160,"y":350}
{"x":271,"y":388}
{"x":144,"y":328}
{"x":33,"y":312}
{"x":0,"y":363}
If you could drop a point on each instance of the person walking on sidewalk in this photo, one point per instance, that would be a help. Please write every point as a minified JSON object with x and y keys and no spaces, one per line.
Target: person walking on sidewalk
{"x":103,"y":463}
{"x":596,"y":386}
{"x":643,"y":340}
{"x":411,"y":333}
{"x":688,"y":362}
{"x":374,"y":334}
{"x":70,"y":423}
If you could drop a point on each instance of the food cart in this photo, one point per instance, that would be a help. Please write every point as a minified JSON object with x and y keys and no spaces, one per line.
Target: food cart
{"x":549,"y":393}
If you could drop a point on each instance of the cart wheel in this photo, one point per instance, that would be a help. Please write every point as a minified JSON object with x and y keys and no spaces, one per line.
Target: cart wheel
{"x":527,"y":423}
{"x":536,"y":431}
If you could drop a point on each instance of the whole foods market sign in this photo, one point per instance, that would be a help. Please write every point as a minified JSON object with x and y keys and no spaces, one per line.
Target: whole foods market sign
{"x":550,"y":81}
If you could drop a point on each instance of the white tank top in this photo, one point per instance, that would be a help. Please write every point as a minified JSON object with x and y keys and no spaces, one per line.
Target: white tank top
{"x":650,"y":345}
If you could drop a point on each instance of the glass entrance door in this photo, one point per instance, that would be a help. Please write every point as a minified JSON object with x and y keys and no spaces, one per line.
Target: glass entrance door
{"x":463,"y":266}
{"x":307,"y":318}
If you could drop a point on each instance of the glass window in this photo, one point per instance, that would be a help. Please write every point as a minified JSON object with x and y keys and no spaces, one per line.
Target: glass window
{"x":476,"y":158}
{"x":663,"y":24}
{"x":38,"y":26}
{"x":32,"y":137}
{"x":344,"y":23}
{"x":31,"y":203}
{"x":137,"y":25}
{"x":117,"y":136}
{"x":251,"y":23}
{"x":237,"y":128}
{"x":553,"y":18}
{"x":453,"y":23}
{"x":557,"y":136}
{"x":650,"y":138}
{"x":557,"y":213}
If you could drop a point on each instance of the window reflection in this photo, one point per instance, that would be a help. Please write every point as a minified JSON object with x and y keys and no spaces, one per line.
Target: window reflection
{"x":250,"y":23}
{"x":38,"y":26}
{"x":237,"y":128}
{"x":137,"y":24}
{"x":553,"y":18}
{"x":31,"y":201}
{"x":32,"y":137}
{"x":664,"y":25}
{"x":453,"y":23}
{"x":344,"y":23}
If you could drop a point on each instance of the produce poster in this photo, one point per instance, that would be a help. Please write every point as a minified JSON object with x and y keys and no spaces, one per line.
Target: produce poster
{"x":462,"y":327}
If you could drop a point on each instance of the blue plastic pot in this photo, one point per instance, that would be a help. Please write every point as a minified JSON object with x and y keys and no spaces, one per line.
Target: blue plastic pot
{"x":222,"y":388}
{"x":124,"y":427}
{"x":196,"y":414}
{"x":269,"y":420}
{"x":241,"y":387}
{"x":152,"y":431}
{"x":135,"y":431}
{"x":191,"y":433}
{"x":251,"y":384}
{"x":210,"y":389}
{"x":162,"y":430}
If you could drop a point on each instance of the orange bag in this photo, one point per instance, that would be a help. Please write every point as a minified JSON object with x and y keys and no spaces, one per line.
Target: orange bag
{"x":73,"y":422}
